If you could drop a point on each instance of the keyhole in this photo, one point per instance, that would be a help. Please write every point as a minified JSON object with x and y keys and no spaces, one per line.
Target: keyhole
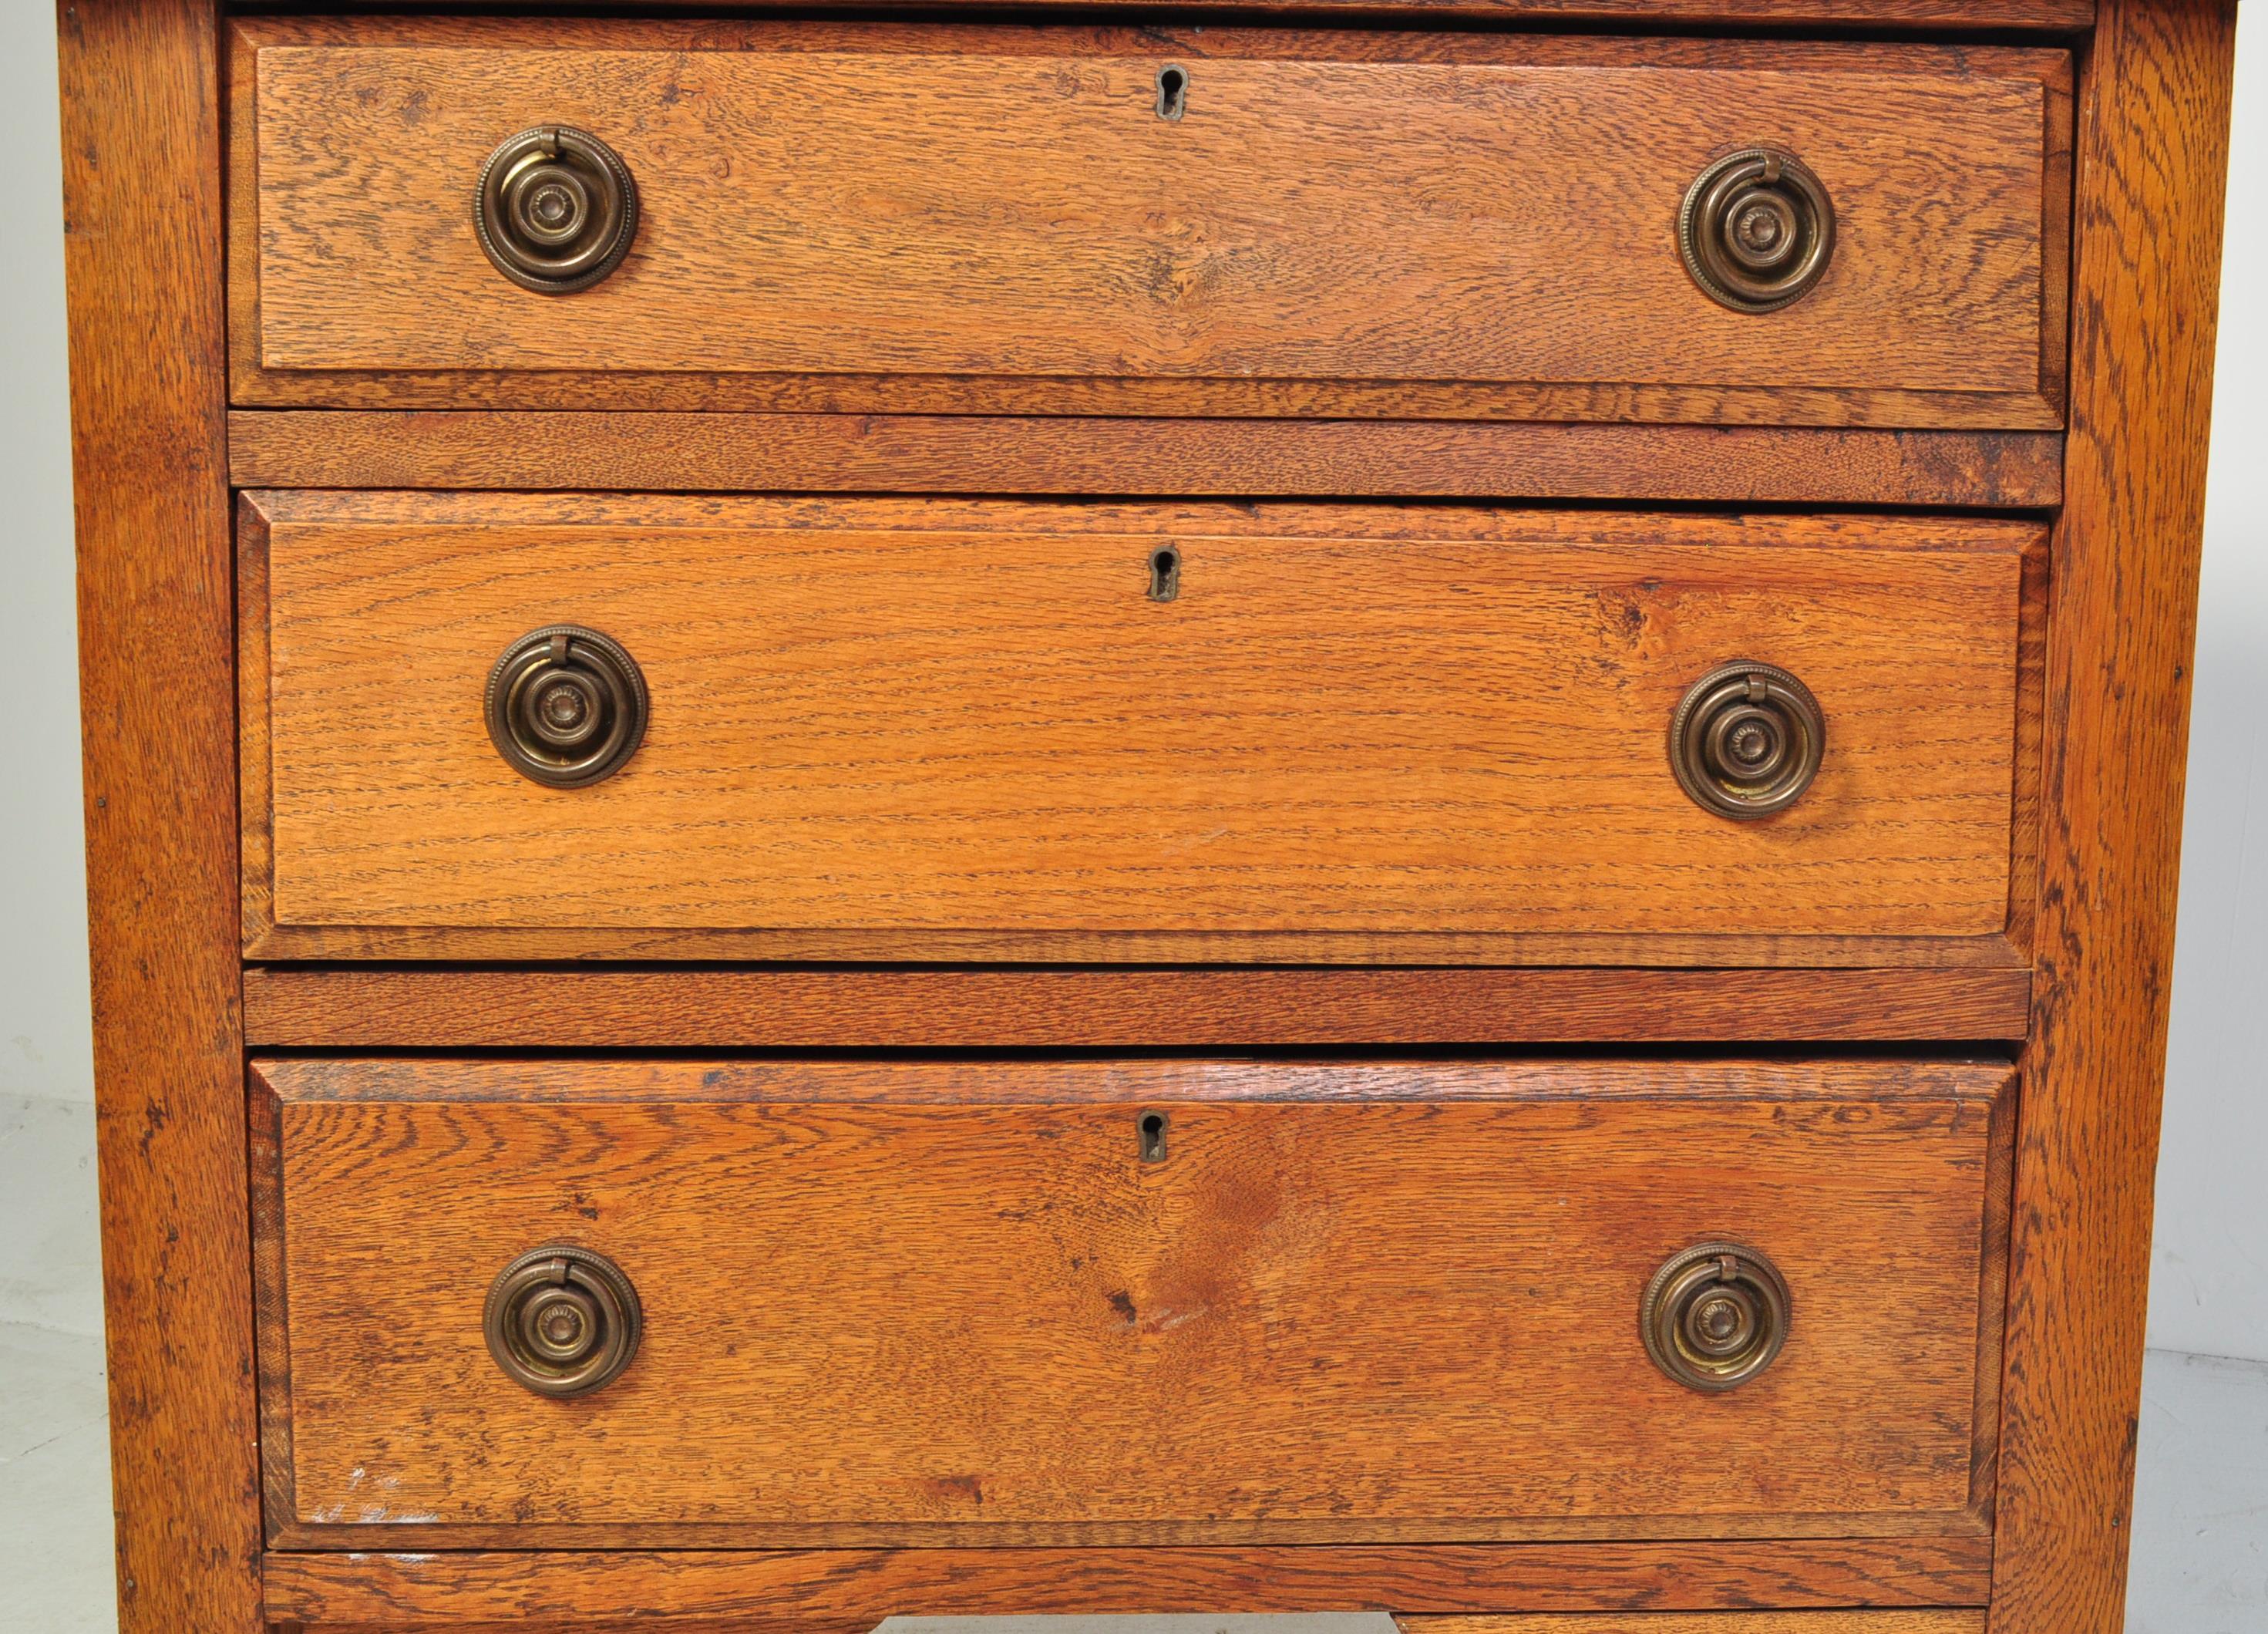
{"x":1152,"y":1126}
{"x":1165,"y":573}
{"x":1172,"y":91}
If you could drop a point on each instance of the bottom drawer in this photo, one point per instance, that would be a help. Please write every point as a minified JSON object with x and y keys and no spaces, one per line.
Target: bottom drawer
{"x":1142,"y":1301}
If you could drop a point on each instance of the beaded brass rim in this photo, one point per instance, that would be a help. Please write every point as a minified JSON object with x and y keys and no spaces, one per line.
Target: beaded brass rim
{"x":566,"y":705}
{"x":1747,"y":740}
{"x":1715,"y":1316}
{"x":557,"y":209}
{"x":562,"y":1320}
{"x":1757,"y":230}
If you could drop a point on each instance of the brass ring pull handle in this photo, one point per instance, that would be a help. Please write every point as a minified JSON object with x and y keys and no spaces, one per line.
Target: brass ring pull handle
{"x":1747,"y":740}
{"x":566,"y":705}
{"x":562,"y":1321}
{"x":1757,"y":230}
{"x":1715,"y":1316}
{"x":557,"y":209}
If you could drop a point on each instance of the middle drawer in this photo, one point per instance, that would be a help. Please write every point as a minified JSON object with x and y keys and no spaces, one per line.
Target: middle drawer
{"x":877,"y":728}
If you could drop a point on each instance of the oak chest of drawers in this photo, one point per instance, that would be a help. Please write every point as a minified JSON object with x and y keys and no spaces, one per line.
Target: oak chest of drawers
{"x":1360,"y":809}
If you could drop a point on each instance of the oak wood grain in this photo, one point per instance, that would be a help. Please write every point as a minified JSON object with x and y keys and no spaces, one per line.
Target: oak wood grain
{"x":301,"y":1008}
{"x":2152,"y":150}
{"x":981,"y":453}
{"x":983,"y":219}
{"x":1926,"y":1529}
{"x":911,"y":1309}
{"x":426,"y":1080}
{"x":573,"y":390}
{"x":971,"y":948}
{"x":538,"y":1593}
{"x":140,"y":86}
{"x":1364,"y":722}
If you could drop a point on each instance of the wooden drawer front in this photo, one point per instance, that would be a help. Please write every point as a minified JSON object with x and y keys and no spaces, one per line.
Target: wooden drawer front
{"x":875,"y":722}
{"x":1399,"y":1300}
{"x":949,"y":219}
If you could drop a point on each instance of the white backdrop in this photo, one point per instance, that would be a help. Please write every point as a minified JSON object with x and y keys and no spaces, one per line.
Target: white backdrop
{"x":2210,"y":1282}
{"x":2209,"y":1279}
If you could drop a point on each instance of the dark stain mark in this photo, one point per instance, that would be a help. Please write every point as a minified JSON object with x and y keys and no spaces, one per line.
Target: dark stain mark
{"x":1621,"y":614}
{"x":154,"y":1119}
{"x":964,"y":1489}
{"x":1123,"y":1304}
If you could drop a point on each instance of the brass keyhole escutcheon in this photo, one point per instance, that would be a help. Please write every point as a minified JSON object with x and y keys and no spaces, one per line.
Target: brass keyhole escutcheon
{"x":1172,"y":91}
{"x":561,"y":1321}
{"x":557,"y":209}
{"x":1747,"y":740}
{"x":1165,"y":573}
{"x":1757,"y":230}
{"x":1715,"y":1316}
{"x":566,"y":705}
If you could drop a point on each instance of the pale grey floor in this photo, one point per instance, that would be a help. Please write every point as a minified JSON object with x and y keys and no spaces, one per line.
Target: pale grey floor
{"x":55,"y":1445}
{"x":2200,"y":1561}
{"x":2200,"y":1527}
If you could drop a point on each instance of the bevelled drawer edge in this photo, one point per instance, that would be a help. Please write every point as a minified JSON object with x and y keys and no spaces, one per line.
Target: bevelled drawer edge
{"x":294,"y":1080}
{"x":850,"y":1589}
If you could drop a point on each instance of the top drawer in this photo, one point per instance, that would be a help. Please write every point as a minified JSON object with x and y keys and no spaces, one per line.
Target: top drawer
{"x":963,"y":219}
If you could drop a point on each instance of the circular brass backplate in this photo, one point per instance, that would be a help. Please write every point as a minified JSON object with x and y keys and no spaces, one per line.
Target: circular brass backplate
{"x":1747,"y":740}
{"x":1757,"y":230}
{"x":566,"y":705}
{"x":1714,"y":1316}
{"x":557,"y":209}
{"x":562,"y":1321}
